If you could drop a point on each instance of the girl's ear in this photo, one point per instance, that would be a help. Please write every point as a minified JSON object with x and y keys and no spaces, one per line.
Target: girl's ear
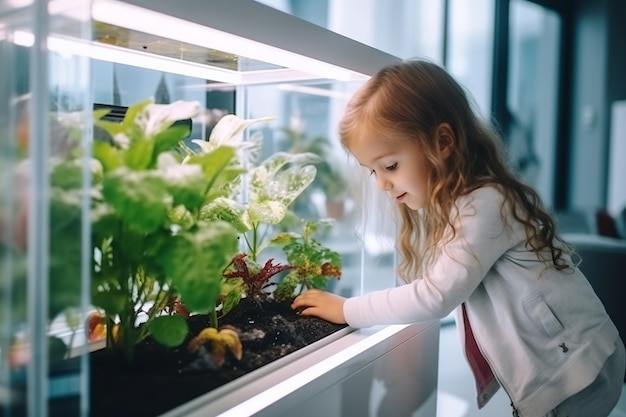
{"x":445,"y":139}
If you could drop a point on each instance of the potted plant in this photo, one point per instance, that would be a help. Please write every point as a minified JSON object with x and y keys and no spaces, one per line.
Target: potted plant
{"x":150,"y":241}
{"x":177,"y":250}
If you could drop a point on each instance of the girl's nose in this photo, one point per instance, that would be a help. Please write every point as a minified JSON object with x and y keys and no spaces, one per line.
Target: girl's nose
{"x":382,"y":183}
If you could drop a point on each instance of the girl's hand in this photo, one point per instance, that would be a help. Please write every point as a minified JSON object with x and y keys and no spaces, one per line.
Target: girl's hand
{"x":322,"y":304}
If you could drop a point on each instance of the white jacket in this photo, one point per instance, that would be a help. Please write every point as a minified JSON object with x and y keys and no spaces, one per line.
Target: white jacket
{"x":544,"y":332}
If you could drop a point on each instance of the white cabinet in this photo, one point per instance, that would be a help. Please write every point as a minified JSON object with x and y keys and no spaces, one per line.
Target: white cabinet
{"x":383,"y":371}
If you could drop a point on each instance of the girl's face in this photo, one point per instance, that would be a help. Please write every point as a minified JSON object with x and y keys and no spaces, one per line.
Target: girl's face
{"x":399,"y":166}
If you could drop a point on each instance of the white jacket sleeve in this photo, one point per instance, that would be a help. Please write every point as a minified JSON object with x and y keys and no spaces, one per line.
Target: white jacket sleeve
{"x":481,"y":238}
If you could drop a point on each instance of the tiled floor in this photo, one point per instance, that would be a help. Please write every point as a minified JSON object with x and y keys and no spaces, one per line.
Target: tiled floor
{"x":456,"y":395}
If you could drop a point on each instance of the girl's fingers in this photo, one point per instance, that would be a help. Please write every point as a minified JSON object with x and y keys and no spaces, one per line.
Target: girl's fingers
{"x":320,"y":304}
{"x":310,"y":311}
{"x":306,"y":299}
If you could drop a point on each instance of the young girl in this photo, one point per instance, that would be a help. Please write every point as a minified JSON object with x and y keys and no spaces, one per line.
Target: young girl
{"x":476,"y":239}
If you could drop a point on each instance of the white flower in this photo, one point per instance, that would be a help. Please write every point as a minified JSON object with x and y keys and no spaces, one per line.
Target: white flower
{"x":157,"y":117}
{"x":181,"y":173}
{"x":166,"y":159}
{"x":121,"y":140}
{"x":229,"y":130}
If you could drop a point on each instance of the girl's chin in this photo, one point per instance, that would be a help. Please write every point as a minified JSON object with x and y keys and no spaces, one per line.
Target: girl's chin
{"x":412,"y":205}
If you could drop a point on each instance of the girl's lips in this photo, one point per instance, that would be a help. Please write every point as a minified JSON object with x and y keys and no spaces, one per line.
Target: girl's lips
{"x":400,"y":197}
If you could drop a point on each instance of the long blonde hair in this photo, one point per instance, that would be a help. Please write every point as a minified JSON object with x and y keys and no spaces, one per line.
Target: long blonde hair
{"x":411,"y":100}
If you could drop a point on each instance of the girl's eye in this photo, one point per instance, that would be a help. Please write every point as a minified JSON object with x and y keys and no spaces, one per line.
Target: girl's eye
{"x":392,"y":167}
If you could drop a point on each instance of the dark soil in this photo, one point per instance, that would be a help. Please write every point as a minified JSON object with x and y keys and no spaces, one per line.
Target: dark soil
{"x":161,"y":379}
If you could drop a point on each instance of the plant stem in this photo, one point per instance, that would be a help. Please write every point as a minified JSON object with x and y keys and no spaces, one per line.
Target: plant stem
{"x":245,"y":237}
{"x":213,"y":318}
{"x":256,"y":242}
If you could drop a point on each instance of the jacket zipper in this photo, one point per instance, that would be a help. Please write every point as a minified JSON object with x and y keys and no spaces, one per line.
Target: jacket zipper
{"x":495,"y":372}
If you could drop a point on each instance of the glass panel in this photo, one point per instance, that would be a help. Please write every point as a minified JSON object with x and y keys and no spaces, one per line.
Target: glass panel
{"x":470,"y":49}
{"x":43,"y":207}
{"x":532,"y":93}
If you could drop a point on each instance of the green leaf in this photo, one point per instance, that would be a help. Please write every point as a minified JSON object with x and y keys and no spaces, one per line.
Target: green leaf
{"x":113,"y":301}
{"x":182,"y":217}
{"x":194,"y":261}
{"x":139,"y":198}
{"x":139,"y":155}
{"x":133,"y":113}
{"x":169,"y":331}
{"x":67,"y":175}
{"x":98,"y":114}
{"x":284,"y":238}
{"x":286,"y":289}
{"x":108,"y":155}
{"x":231,"y":290}
{"x":319,"y":282}
{"x":186,"y":184}
{"x":104,"y":222}
{"x":170,"y":138}
{"x":112,"y":128}
{"x":227,"y":184}
{"x":214,"y":164}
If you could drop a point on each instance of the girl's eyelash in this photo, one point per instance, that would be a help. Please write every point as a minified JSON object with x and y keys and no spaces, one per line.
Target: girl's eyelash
{"x":388,"y":168}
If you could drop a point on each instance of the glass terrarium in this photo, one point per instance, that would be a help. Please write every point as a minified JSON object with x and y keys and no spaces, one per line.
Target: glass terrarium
{"x":74,"y":75}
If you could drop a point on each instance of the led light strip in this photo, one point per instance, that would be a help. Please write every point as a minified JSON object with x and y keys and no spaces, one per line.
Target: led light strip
{"x":132,"y":17}
{"x":120,"y":55}
{"x":116,"y":54}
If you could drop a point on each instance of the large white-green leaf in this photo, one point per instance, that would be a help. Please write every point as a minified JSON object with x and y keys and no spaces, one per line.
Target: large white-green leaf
{"x":268,"y":211}
{"x":228,"y":210}
{"x":273,"y":181}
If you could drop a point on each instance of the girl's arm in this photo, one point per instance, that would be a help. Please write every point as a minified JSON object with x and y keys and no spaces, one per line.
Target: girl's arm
{"x":481,"y":239}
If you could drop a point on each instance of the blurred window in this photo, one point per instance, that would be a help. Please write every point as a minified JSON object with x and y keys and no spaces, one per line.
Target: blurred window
{"x":532,"y":93}
{"x":470,"y":48}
